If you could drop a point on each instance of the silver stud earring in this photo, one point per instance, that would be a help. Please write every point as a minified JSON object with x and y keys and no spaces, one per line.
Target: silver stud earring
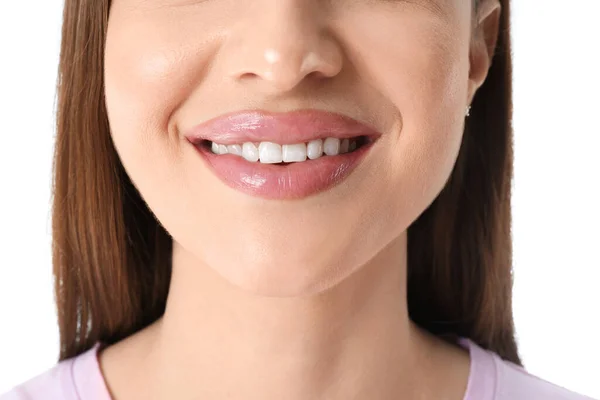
{"x":468,"y":111}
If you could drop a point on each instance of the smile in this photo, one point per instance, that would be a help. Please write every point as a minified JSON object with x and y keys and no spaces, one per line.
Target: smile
{"x":282,"y":156}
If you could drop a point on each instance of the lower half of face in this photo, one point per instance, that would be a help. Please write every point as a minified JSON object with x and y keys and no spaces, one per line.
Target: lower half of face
{"x":400,"y":69}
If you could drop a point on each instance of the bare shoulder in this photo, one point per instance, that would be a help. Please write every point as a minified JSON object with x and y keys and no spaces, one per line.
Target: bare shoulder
{"x":516,"y":383}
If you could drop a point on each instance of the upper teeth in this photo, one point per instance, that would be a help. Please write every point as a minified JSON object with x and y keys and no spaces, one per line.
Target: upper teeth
{"x":273,"y":153}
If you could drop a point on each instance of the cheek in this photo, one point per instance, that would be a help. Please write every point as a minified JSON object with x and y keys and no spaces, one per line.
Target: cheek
{"x":424,"y":75}
{"x":153,"y":60}
{"x":148,"y":72}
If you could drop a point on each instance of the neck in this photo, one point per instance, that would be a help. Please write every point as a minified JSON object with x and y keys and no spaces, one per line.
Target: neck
{"x":354,"y":340}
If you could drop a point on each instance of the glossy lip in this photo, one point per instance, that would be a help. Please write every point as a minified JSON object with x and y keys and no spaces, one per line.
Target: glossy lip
{"x":284,"y":128}
{"x":283,"y":182}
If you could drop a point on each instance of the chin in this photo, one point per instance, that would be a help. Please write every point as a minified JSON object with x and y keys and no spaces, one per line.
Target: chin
{"x":283,"y":275}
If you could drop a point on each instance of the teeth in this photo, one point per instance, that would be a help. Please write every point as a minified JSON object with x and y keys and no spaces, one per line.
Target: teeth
{"x":273,"y":153}
{"x":235,"y":149}
{"x":270,"y":153}
{"x":294,"y":152}
{"x":219,"y":148}
{"x":331,"y":146}
{"x":314,"y":149}
{"x":250,"y":152}
{"x":344,"y":146}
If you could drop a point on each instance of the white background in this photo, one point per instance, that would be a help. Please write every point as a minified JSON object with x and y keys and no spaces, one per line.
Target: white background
{"x":556,"y":189}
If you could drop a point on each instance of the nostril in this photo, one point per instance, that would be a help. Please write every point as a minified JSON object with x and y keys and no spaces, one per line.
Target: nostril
{"x":248,"y":76}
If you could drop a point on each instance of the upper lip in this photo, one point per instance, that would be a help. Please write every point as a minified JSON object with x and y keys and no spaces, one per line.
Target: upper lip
{"x":282,"y":128}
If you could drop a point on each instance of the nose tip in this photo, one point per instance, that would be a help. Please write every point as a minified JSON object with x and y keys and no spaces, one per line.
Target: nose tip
{"x":284,"y":72}
{"x":280,"y":59}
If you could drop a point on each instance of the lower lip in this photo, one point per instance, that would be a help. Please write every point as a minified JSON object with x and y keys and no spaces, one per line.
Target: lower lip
{"x":283,"y":182}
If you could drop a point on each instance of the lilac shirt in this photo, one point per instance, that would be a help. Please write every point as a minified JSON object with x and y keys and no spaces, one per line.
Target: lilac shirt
{"x":491,"y":378}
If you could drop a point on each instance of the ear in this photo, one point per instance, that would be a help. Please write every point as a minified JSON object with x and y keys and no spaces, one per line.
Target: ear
{"x":483,"y":44}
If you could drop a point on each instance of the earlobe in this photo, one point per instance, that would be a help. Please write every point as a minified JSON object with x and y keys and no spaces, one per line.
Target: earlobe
{"x":483,"y":44}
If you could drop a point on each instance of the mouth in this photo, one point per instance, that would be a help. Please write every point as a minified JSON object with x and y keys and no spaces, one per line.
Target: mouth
{"x":282,"y":156}
{"x":285,"y":154}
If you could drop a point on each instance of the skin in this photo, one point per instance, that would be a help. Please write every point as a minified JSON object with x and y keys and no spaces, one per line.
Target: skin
{"x":301,"y":299}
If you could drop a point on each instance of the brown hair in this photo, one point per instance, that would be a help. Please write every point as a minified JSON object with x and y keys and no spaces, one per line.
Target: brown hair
{"x":112,"y":257}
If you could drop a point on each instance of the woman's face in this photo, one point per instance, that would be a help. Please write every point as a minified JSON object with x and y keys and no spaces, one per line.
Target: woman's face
{"x":400,"y":67}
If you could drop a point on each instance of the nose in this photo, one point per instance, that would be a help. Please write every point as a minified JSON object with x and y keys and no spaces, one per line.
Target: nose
{"x":283,"y":43}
